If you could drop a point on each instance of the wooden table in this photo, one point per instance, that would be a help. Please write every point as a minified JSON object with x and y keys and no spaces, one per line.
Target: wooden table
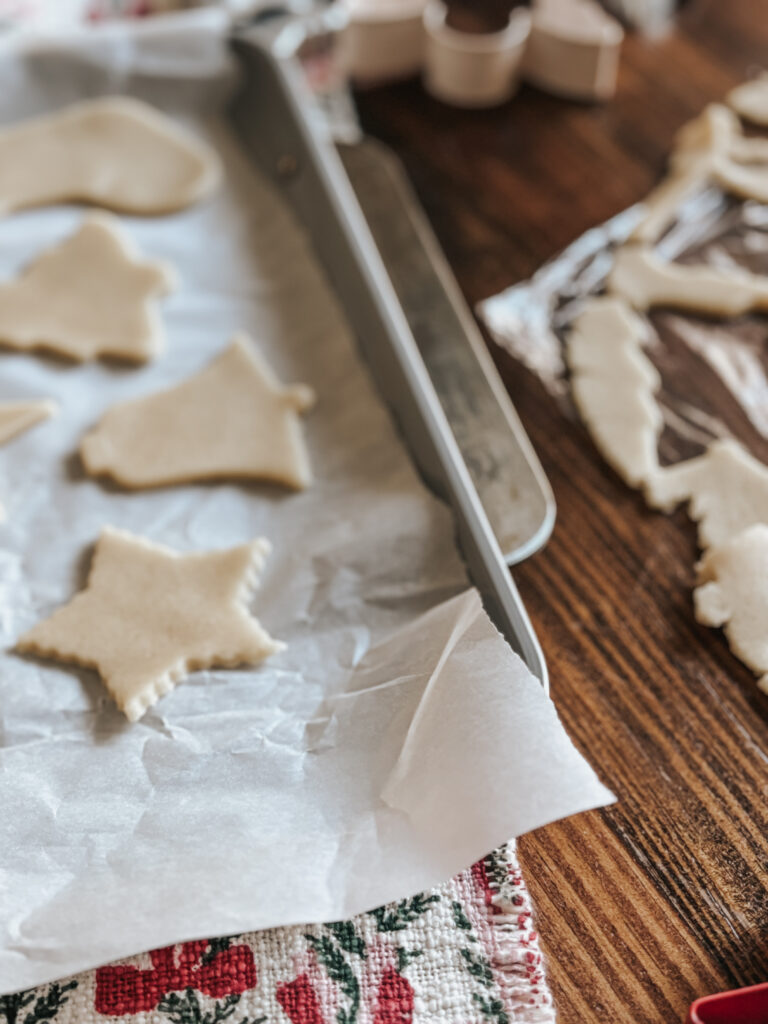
{"x":663,"y":897}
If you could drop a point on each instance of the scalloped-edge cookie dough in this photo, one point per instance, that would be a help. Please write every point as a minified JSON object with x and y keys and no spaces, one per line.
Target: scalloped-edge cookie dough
{"x":16,"y":417}
{"x":114,"y":152}
{"x":613,"y":384}
{"x":750,"y":99}
{"x":733,"y":593}
{"x":726,"y":489}
{"x":89,"y":296}
{"x":646,"y":281}
{"x":149,"y":616}
{"x":231,"y":421}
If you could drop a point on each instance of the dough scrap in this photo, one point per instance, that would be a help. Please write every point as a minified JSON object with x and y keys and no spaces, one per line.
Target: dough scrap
{"x":149,"y":616}
{"x":231,"y":421}
{"x":613,"y":384}
{"x":750,"y":100}
{"x":645,"y":280}
{"x":733,"y":593}
{"x":711,"y":148}
{"x":114,"y":152}
{"x":726,"y":488}
{"x":16,"y":417}
{"x":87,"y":297}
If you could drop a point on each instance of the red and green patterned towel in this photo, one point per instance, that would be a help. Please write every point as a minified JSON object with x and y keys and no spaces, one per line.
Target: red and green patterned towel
{"x":465,"y":953}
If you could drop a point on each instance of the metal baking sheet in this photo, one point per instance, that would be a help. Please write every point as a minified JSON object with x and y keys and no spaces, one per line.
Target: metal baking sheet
{"x":398,"y":738}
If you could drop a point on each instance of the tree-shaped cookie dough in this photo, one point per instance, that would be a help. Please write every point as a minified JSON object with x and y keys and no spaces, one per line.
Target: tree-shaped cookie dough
{"x":231,"y":421}
{"x":613,"y":384}
{"x":113,"y":152}
{"x":87,"y":297}
{"x":733,"y":593}
{"x":726,"y":488}
{"x":16,"y":417}
{"x":149,"y":616}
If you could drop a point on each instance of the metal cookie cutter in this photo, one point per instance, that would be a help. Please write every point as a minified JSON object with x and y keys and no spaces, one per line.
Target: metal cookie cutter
{"x":384,"y":40}
{"x":471,"y":70}
{"x":574,"y":49}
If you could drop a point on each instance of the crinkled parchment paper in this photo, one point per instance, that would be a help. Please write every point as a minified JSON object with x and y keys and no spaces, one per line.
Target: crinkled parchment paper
{"x":395,"y":741}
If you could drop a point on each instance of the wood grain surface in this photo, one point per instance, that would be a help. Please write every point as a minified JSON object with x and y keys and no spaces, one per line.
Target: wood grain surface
{"x":663,"y":897}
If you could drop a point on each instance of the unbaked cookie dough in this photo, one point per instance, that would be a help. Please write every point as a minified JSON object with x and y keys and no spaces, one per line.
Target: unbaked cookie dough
{"x":114,"y":152}
{"x":231,"y":421}
{"x":646,"y":281}
{"x":16,"y":417}
{"x":711,"y":148}
{"x":726,"y":488}
{"x":733,"y":593}
{"x":750,"y":100}
{"x":87,"y":297}
{"x":613,"y":384}
{"x":149,"y":616}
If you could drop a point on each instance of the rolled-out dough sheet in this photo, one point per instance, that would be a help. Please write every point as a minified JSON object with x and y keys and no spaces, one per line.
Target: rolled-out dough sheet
{"x":613,"y":385}
{"x":733,"y":593}
{"x":149,"y":616}
{"x":115,"y":152}
{"x":232,"y":420}
{"x":646,"y":281}
{"x":88,"y":296}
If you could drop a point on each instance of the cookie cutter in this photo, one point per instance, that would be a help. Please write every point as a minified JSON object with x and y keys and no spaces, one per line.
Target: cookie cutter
{"x":468,"y":69}
{"x":574,"y":49}
{"x":739,"y":1006}
{"x":383,"y":41}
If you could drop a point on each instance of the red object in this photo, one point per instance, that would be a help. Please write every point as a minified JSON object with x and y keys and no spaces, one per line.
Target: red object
{"x":740,"y":1006}
{"x":126,"y":989}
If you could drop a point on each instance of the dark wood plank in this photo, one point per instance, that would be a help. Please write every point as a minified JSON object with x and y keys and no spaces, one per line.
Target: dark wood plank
{"x":664,"y":897}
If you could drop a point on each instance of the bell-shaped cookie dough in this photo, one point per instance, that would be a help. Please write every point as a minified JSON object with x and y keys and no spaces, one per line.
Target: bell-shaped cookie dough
{"x":16,"y":417}
{"x":750,"y":100}
{"x":114,"y":152}
{"x":645,"y":281}
{"x":733,"y":593}
{"x":149,"y":616}
{"x":613,"y":384}
{"x":231,"y":421}
{"x":87,"y":297}
{"x":726,"y":488}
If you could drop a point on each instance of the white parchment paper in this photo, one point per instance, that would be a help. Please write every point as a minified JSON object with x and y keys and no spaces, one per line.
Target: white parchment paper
{"x":395,"y":741}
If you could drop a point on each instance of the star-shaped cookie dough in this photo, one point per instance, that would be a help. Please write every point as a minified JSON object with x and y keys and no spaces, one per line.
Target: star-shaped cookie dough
{"x":16,"y":417}
{"x":114,"y":152}
{"x":149,"y":616}
{"x":231,"y":421}
{"x":87,"y":297}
